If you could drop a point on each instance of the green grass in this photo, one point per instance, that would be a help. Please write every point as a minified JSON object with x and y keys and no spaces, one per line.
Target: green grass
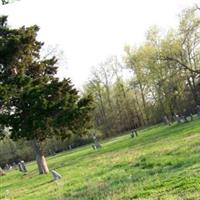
{"x":162,"y":163}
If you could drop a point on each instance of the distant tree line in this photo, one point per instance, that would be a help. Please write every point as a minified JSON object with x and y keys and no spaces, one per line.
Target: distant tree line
{"x":13,"y":151}
{"x":159,"y":78}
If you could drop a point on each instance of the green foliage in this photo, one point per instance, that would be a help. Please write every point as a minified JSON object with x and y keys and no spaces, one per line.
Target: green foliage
{"x":166,"y":68}
{"x":34,"y":103}
{"x":4,"y":2}
{"x":158,"y":78}
{"x":114,"y":102}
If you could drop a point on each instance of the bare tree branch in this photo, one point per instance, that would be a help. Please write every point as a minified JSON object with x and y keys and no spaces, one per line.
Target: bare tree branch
{"x":183,"y":65}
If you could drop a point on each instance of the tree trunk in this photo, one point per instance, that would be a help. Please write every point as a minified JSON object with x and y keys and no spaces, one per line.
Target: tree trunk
{"x":144,"y":103}
{"x":41,"y":161}
{"x":193,"y":89}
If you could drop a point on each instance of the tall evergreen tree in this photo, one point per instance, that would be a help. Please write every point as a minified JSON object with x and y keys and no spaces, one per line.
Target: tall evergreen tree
{"x":35,"y":105}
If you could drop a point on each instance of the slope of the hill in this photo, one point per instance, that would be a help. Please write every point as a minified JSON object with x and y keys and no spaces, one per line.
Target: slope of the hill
{"x":163,"y":162}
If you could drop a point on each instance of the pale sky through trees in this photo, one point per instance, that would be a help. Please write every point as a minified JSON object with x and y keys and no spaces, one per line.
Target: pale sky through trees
{"x":89,"y":31}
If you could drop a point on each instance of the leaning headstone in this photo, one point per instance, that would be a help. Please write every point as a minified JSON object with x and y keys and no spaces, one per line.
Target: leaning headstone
{"x":2,"y":173}
{"x":56,"y":175}
{"x":23,"y":166}
{"x":20,"y":167}
{"x":93,"y":146}
{"x":134,"y":133}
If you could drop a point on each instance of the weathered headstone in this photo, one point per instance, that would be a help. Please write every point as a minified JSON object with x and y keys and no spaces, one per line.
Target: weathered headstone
{"x":56,"y":175}
{"x":177,"y":118}
{"x":51,"y":152}
{"x":134,"y":133}
{"x":23,"y":166}
{"x":20,"y":167}
{"x":70,"y":147}
{"x":93,"y":146}
{"x":96,"y":143}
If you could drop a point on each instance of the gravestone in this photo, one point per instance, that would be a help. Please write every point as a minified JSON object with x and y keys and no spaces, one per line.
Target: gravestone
{"x":177,"y":118}
{"x":93,"y":146}
{"x":51,"y":152}
{"x":20,"y":167}
{"x":97,"y":145}
{"x":56,"y":175}
{"x":70,"y":147}
{"x":134,"y":133}
{"x":23,"y":166}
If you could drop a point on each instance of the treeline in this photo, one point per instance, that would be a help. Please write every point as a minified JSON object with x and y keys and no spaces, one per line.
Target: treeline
{"x":12,"y":152}
{"x":159,"y":78}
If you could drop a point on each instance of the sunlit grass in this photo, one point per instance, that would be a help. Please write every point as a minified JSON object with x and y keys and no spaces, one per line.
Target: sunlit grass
{"x":162,"y":163}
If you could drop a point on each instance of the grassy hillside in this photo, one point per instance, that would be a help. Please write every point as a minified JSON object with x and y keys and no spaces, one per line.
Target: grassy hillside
{"x":162,"y":163}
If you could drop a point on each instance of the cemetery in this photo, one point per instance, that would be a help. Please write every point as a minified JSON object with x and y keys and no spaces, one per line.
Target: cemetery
{"x":162,"y":161}
{"x":95,"y":105}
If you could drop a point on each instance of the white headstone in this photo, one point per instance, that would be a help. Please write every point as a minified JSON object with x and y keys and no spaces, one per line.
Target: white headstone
{"x":23,"y":166}
{"x":56,"y":175}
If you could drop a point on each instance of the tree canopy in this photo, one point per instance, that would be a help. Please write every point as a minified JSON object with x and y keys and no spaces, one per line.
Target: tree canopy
{"x":36,"y":105}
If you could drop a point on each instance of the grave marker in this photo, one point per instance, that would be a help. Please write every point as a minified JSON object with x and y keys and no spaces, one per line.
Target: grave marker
{"x":56,"y":175}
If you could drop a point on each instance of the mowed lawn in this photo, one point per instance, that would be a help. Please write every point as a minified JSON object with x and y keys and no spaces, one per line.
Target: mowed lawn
{"x":161,"y":163}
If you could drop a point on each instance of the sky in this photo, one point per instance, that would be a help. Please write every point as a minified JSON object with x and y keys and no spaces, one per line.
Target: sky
{"x":89,"y":31}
